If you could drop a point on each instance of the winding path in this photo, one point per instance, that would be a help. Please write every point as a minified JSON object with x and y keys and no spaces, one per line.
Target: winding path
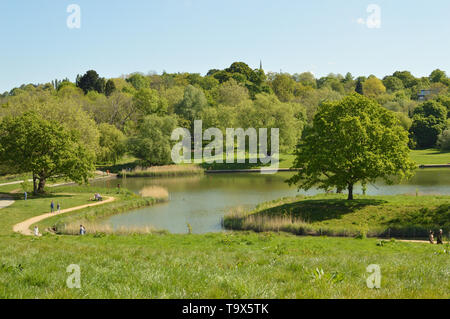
{"x":5,"y":201}
{"x":24,"y":227}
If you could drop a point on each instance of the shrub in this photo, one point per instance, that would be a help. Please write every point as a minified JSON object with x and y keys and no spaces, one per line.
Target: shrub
{"x":444,"y":141}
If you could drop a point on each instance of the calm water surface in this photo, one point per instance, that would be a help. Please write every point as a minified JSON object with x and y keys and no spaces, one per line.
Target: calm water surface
{"x":202,"y":201}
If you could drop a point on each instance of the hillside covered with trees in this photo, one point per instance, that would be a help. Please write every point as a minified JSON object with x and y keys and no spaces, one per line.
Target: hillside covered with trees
{"x":106,"y":118}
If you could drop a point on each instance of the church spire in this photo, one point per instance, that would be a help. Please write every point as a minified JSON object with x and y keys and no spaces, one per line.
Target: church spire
{"x":260,"y":65}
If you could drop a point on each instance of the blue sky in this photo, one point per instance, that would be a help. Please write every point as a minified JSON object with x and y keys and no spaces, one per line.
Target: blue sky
{"x":120,"y":37}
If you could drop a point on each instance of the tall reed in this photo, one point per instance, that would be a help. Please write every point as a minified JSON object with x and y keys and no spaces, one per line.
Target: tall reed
{"x":163,"y":171}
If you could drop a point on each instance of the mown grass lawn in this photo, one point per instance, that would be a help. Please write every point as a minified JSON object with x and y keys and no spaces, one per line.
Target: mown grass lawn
{"x":430,"y":156}
{"x":421,"y":157}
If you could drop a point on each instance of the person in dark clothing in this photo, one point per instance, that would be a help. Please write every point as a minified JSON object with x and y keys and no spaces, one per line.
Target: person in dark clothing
{"x":440,"y":240}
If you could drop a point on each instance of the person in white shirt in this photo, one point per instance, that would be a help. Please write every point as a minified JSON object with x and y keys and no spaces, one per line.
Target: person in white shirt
{"x":36,"y":231}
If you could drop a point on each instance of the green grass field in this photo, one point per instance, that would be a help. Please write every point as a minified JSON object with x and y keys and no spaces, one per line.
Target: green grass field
{"x":430,"y":156}
{"x":222,"y":265}
{"x":401,"y":216}
{"x":219,"y":266}
{"x":421,"y":157}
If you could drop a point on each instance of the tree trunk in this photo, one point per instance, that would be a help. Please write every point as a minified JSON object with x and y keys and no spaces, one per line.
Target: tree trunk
{"x":41,"y":186}
{"x":34,"y":184}
{"x":350,"y":192}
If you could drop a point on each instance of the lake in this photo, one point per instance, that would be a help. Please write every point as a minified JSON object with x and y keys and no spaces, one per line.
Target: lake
{"x":202,"y":201}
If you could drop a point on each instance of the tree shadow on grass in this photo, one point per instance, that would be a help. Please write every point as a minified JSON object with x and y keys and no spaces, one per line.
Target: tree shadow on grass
{"x":320,"y":209}
{"x":439,"y":217}
{"x":230,"y":166}
{"x":31,"y":196}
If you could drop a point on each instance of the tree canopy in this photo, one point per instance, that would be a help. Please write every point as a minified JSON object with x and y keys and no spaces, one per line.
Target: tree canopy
{"x":235,"y":96}
{"x":30,"y":143}
{"x":151,"y":142}
{"x":429,"y":122}
{"x":354,"y":140}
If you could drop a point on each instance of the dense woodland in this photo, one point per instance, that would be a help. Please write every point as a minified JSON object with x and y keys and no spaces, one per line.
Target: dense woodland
{"x":135,"y":114}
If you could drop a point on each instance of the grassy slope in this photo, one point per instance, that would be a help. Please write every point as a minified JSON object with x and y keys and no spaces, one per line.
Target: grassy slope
{"x":430,"y":156}
{"x":219,"y":266}
{"x":421,"y":157}
{"x":402,"y":215}
{"x":233,"y":265}
{"x":67,"y":196}
{"x":22,"y":210}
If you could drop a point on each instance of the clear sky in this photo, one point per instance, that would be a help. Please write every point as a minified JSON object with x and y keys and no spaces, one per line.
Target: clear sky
{"x":121,"y":37}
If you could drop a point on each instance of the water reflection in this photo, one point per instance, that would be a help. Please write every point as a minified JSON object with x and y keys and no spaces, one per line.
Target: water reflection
{"x":202,"y":201}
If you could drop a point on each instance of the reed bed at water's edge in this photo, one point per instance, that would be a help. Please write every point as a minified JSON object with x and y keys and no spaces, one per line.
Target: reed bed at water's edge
{"x":125,"y":201}
{"x":163,"y":171}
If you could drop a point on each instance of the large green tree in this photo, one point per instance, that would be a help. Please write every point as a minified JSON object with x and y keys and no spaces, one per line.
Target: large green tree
{"x":151,"y":142}
{"x":30,"y":143}
{"x":266,"y":111}
{"x":429,"y":121}
{"x":91,"y":81}
{"x":111,"y":144}
{"x":138,"y":81}
{"x":284,"y":86}
{"x":231,"y":93}
{"x":148,"y":101}
{"x":373,"y":87}
{"x":393,"y":83}
{"x":194,"y":101}
{"x":354,"y":140}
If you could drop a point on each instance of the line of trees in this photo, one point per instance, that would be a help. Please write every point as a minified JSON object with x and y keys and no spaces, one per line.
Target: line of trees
{"x":135,"y":113}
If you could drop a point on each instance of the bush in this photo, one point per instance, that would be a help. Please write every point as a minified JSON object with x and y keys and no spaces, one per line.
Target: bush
{"x":444,"y":141}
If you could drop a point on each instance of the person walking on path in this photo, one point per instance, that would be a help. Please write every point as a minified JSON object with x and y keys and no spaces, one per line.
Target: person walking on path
{"x":82,"y":230}
{"x":58,"y":208}
{"x":52,"y":207}
{"x":440,"y":240}
{"x":431,"y":237}
{"x":36,"y":231}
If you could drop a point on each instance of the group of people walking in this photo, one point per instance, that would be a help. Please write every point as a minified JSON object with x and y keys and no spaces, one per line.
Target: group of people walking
{"x":439,"y":237}
{"x":52,"y":207}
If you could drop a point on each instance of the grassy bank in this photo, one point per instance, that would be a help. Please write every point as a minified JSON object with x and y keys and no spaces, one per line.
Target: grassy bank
{"x":399,"y":216}
{"x":163,"y":171}
{"x":219,"y":266}
{"x":91,"y":217}
{"x":68,"y":224}
{"x":430,"y":156}
{"x":421,"y":157}
{"x":72,"y":196}
{"x":223,"y":265}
